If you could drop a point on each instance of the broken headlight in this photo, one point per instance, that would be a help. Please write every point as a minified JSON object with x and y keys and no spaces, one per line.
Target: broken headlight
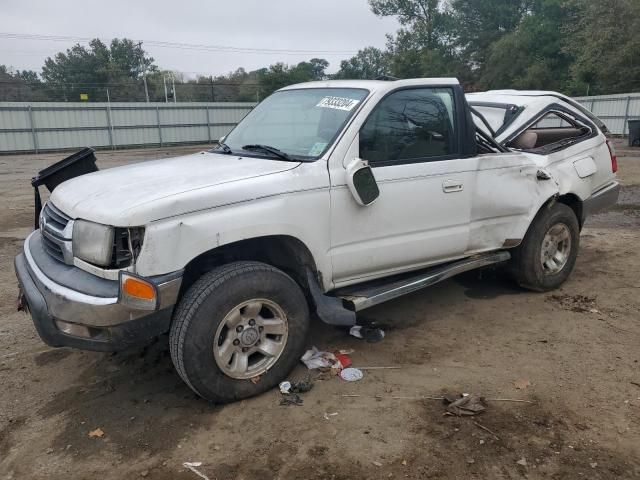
{"x":106,"y":246}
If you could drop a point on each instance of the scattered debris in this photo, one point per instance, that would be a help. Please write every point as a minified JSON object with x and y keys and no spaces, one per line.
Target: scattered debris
{"x":379,"y":368}
{"x":255,"y":380}
{"x":314,"y":358}
{"x":470,"y":460}
{"x":49,"y":451}
{"x":637,"y":384}
{"x":465,"y":405}
{"x":192,"y":466}
{"x":371,"y":335}
{"x":593,"y":465}
{"x":290,"y":391}
{"x":522,"y":461}
{"x":144,"y":473}
{"x":575,"y":303}
{"x":285,"y":387}
{"x":522,"y":384}
{"x":377,"y":464}
{"x":327,"y":415}
{"x":344,"y":359}
{"x":351,"y":374}
{"x":404,"y":463}
{"x":97,"y":433}
{"x":482,"y":427}
{"x":423,"y":397}
{"x":291,"y":399}
{"x":302,"y":386}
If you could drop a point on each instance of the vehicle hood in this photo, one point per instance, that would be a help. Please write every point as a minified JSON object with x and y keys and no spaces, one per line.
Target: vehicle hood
{"x":137,"y":194}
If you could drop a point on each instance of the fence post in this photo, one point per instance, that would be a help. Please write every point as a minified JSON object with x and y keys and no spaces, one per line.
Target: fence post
{"x":159,"y":127}
{"x":626,"y":115}
{"x":107,"y":111}
{"x":34,"y":135}
{"x":208,"y":125}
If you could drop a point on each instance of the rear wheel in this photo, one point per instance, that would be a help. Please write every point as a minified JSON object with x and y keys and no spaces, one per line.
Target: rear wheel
{"x":548,"y":253}
{"x":238,"y":331}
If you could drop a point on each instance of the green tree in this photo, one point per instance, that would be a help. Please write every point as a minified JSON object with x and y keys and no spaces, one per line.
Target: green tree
{"x":425,"y":19}
{"x":532,"y":56}
{"x":280,"y":75}
{"x":605,"y":41}
{"x":480,"y":23}
{"x":95,"y":68}
{"x":20,"y":86}
{"x":425,"y":45}
{"x":369,"y":63}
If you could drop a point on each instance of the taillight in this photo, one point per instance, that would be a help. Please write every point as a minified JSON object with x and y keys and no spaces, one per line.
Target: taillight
{"x":614,"y":158}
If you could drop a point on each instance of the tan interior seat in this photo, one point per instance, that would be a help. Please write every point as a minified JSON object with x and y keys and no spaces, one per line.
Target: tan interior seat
{"x":526,"y":141}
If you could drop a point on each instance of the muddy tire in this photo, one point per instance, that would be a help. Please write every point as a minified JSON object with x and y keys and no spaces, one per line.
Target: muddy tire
{"x":238,"y":331}
{"x":548,"y":253}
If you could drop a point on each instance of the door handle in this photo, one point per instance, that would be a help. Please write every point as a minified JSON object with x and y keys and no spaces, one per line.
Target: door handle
{"x":450,"y":186}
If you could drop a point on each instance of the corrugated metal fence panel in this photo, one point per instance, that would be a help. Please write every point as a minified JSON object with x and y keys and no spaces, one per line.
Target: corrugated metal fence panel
{"x":56,"y":126}
{"x":614,"y":110}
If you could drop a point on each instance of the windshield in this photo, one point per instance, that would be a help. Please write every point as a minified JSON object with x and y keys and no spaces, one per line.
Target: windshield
{"x":302,"y":123}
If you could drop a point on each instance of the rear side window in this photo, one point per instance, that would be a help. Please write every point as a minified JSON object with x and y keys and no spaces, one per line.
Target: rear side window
{"x":553,"y":131}
{"x":410,"y":126}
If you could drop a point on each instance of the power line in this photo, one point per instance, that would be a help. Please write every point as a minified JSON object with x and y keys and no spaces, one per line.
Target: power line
{"x":178,"y":45}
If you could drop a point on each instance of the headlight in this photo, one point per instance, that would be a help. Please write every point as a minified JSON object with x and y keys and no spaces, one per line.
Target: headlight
{"x":93,"y":242}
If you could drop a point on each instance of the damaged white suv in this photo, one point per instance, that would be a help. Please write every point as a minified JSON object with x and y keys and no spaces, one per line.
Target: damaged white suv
{"x":329,"y":197}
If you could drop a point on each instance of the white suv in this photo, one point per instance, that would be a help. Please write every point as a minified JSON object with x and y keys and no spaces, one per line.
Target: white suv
{"x":329,"y":196}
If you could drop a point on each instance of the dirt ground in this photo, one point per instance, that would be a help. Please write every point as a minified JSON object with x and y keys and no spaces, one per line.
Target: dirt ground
{"x":577,"y":348}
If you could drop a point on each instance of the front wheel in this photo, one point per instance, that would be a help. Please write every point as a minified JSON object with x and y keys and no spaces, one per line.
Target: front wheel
{"x":548,"y":253}
{"x":238,"y":331}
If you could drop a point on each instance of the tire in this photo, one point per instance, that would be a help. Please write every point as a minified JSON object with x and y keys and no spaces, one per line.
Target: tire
{"x":235,"y":307}
{"x":541,"y":273}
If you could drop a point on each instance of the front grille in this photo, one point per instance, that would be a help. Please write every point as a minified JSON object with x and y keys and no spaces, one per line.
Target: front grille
{"x":55,"y":217}
{"x":52,"y":248}
{"x":56,"y":240}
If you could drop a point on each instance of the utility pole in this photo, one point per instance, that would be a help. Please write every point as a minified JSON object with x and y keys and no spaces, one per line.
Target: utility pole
{"x":173,"y":84}
{"x":164,"y":81}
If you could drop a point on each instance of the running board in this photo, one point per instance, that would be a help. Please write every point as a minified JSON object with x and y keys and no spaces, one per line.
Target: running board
{"x":360,"y":297}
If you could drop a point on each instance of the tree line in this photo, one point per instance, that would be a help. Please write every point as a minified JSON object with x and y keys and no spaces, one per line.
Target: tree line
{"x":577,"y":47}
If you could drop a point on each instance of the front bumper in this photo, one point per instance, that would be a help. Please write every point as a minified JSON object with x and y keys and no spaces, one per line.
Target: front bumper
{"x":602,"y":199}
{"x":73,"y":308}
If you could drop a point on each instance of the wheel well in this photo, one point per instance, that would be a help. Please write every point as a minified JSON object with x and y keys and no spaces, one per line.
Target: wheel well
{"x":281,"y":251}
{"x":574,"y":203}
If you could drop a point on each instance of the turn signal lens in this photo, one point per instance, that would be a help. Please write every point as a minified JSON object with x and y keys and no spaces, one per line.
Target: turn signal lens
{"x":137,"y":292}
{"x":138,"y":288}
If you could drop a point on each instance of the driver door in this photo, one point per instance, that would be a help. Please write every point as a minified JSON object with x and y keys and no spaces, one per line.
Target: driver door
{"x":422,"y":215}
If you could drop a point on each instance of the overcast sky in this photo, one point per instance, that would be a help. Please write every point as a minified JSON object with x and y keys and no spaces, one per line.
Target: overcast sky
{"x":320,"y":25}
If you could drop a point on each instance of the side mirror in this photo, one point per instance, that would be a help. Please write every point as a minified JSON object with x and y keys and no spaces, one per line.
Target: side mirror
{"x":362,"y":183}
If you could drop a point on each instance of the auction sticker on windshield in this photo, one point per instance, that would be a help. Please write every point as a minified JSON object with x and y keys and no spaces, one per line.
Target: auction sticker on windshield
{"x":338,"y":103}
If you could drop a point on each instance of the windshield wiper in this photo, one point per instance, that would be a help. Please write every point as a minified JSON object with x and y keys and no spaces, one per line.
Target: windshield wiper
{"x":272,"y":150}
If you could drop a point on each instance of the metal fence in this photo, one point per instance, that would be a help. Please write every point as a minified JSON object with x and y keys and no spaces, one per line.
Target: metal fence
{"x":614,"y":110}
{"x":47,"y":126}
{"x":39,"y":127}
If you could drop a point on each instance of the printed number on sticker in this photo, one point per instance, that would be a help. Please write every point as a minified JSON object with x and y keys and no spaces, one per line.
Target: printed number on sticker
{"x":338,"y":103}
